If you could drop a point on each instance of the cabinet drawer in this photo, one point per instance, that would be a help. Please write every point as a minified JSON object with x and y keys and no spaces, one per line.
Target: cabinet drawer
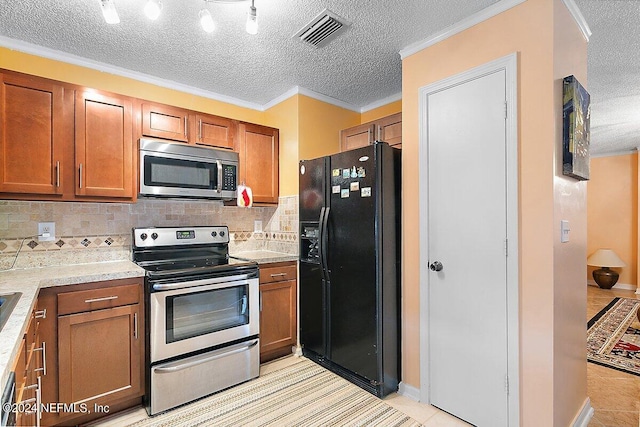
{"x":278,"y":273}
{"x":96,"y":299}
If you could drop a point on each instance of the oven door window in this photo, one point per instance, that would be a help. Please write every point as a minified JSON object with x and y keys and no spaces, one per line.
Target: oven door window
{"x":199,"y":313}
{"x":165,"y":172}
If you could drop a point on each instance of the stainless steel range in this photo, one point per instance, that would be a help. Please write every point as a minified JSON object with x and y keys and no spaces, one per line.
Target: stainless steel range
{"x":202,"y":309}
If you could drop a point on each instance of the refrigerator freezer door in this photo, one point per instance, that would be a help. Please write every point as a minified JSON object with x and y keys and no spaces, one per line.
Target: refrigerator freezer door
{"x":312,"y":308}
{"x":312,"y":189}
{"x":352,"y":262}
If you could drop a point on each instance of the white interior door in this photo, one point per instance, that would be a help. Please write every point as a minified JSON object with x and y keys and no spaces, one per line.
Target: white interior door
{"x":467,"y":234}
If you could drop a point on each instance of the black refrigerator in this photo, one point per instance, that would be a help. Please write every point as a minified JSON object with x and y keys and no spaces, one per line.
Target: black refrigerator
{"x":350,"y":265}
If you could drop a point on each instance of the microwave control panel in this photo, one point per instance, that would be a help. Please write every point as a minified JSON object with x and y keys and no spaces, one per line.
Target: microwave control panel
{"x":229,"y":174}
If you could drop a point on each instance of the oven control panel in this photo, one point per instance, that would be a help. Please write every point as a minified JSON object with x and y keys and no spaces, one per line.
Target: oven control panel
{"x":171,"y":236}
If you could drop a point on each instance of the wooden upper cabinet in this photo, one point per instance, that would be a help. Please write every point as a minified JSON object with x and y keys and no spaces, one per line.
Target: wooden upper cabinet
{"x":258,"y":148}
{"x":178,"y":124}
{"x":213,"y":131}
{"x":104,"y":145}
{"x":387,"y":129}
{"x":32,"y":134}
{"x":166,"y":122}
{"x":356,"y":137}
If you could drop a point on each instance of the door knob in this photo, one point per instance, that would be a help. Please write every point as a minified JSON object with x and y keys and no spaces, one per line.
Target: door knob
{"x":435,"y":266}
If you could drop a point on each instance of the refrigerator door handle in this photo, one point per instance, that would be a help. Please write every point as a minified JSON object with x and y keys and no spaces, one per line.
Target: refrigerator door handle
{"x":321,"y":241}
{"x":324,"y":239}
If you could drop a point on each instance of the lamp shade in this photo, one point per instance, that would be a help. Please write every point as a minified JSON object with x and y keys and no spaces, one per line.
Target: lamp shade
{"x":605,"y":258}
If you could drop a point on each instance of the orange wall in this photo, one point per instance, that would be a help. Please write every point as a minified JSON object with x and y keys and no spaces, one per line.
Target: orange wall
{"x":383,"y":111}
{"x":527,"y":29}
{"x":569,"y":258}
{"x":61,"y":71}
{"x":320,"y":125}
{"x":284,"y":116}
{"x":612,"y":211}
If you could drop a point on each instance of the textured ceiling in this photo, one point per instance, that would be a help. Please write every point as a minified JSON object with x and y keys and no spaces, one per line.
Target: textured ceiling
{"x":359,"y":68}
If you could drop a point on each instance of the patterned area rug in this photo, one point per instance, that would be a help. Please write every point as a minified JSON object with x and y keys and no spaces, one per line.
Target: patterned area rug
{"x":613,"y":336}
{"x":302,"y":394}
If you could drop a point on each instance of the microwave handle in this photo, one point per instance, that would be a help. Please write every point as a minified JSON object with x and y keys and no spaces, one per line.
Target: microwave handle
{"x":219,"y":189}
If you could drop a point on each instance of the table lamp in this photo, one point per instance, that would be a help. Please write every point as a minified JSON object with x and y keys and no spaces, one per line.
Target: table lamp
{"x":605,"y":258}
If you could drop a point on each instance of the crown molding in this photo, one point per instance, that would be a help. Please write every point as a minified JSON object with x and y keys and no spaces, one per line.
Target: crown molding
{"x":56,"y":55}
{"x":621,"y":152}
{"x":579,"y":18}
{"x":465,"y":24}
{"x":68,"y":58}
{"x":381,"y":102}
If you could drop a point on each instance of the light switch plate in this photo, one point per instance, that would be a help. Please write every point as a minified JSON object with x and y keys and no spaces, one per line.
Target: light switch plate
{"x":564,"y":231}
{"x":257,"y":226}
{"x":46,"y":231}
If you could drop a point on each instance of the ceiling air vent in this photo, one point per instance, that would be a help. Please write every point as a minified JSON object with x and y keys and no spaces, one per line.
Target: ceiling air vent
{"x":322,"y":29}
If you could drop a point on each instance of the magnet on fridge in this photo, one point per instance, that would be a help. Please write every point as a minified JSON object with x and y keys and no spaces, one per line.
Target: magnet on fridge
{"x":346,"y":173}
{"x":344,"y":193}
{"x":361,"y":172}
{"x":335,"y":189}
{"x":335,"y":172}
{"x":354,"y":186}
{"x":365,"y":192}
{"x":354,"y":174}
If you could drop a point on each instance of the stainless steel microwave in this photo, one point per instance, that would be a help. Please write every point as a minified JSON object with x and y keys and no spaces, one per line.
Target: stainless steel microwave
{"x":180,"y":170}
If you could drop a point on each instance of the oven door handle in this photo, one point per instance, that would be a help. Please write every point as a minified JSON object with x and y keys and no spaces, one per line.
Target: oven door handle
{"x":199,"y":360}
{"x":201,"y":282}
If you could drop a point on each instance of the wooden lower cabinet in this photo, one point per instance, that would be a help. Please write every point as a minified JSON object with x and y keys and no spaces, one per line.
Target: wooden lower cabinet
{"x":96,"y":359}
{"x":278,"y":316}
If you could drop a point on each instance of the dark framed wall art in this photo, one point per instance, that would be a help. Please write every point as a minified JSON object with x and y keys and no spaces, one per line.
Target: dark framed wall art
{"x":576,"y":114}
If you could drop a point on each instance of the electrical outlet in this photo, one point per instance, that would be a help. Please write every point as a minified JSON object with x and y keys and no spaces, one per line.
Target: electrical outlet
{"x":46,"y":231}
{"x":257,"y":226}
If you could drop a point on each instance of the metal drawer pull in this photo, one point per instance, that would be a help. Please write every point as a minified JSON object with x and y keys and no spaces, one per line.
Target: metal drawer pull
{"x":40,"y":314}
{"x":44,"y":358}
{"x":199,"y":361}
{"x":135,"y":325}
{"x":185,"y":126}
{"x":80,"y":175}
{"x":278,"y":274}
{"x":58,"y":174}
{"x":101,"y":299}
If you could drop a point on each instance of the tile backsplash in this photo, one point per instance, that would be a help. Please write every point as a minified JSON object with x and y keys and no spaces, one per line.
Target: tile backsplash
{"x":90,"y":232}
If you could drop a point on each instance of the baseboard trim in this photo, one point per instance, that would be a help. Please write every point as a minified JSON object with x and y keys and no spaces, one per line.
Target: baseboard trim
{"x":585,"y":415}
{"x":409,"y":391}
{"x":623,"y":286}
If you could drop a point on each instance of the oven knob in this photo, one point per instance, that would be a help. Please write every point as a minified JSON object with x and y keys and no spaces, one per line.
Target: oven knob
{"x":143,"y":236}
{"x":214,"y":234}
{"x":154,"y":236}
{"x":222,"y":234}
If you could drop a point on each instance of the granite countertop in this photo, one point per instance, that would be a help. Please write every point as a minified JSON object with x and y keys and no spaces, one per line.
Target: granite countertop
{"x":29,"y":281}
{"x":264,"y":257}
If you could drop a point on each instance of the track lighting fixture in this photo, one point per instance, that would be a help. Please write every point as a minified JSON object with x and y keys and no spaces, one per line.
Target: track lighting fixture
{"x":206,"y":21}
{"x":252,"y":20}
{"x":152,"y":9}
{"x":109,"y":12}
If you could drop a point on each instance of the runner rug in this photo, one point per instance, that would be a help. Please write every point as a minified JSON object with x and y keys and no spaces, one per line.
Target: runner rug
{"x":302,"y":394}
{"x":613,"y":336}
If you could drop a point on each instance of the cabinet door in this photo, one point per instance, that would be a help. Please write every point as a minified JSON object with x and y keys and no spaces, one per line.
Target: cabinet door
{"x":390,"y":130}
{"x":99,"y":355}
{"x":31,"y":135}
{"x":213,"y":131}
{"x":259,"y":151}
{"x":104,"y":145}
{"x":277,"y":319}
{"x":166,"y":122}
{"x":356,"y":137}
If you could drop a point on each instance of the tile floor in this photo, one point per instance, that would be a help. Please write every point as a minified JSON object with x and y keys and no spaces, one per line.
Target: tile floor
{"x":615,"y":395}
